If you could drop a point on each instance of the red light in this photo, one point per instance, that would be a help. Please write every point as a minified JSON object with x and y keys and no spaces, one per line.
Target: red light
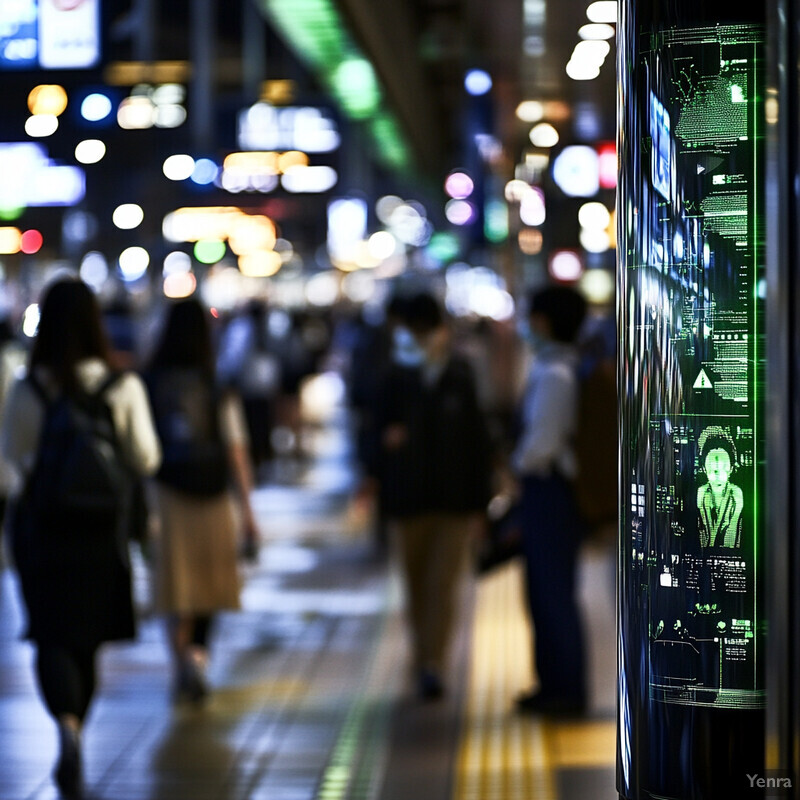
{"x":607,"y":153}
{"x":31,"y":242}
{"x":214,"y":313}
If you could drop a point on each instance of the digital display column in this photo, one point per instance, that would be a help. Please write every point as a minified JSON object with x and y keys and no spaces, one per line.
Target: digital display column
{"x":691,"y":289}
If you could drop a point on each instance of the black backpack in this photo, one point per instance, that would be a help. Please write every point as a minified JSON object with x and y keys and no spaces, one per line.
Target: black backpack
{"x":79,"y":481}
{"x":185,"y":406}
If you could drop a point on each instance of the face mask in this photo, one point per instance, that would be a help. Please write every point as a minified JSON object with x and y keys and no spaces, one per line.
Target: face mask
{"x":405,"y":350}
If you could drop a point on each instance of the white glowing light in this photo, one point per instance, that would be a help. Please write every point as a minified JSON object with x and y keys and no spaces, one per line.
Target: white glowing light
{"x":530,"y":111}
{"x":594,"y":241}
{"x":602,"y":11}
{"x":594,"y":216}
{"x":95,"y":107}
{"x":410,"y":225}
{"x":94,"y":270}
{"x":591,"y":51}
{"x":179,"y":284}
{"x":515,"y":190}
{"x":491,"y":302}
{"x":544,"y":135}
{"x":90,"y":151}
{"x":596,"y":30}
{"x":260,"y":264}
{"x":598,"y":285}
{"x":532,"y":209}
{"x":177,"y":261}
{"x":386,"y":206}
{"x":128,"y":216}
{"x":178,"y":167}
{"x":565,"y":265}
{"x":136,"y":113}
{"x":576,"y":171}
{"x":359,"y":286}
{"x":382,"y":245}
{"x":133,"y":263}
{"x":30,"y":320}
{"x":459,"y":212}
{"x":347,"y":225}
{"x":170,"y":116}
{"x":41,"y":125}
{"x":322,"y":289}
{"x":312,"y":180}
{"x":477,"y":82}
{"x":582,"y":72}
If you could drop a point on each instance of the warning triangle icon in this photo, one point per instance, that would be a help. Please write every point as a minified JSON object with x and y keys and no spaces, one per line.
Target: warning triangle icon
{"x":703,"y":381}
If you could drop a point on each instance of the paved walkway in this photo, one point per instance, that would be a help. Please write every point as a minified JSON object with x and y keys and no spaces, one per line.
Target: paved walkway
{"x":310,"y":697}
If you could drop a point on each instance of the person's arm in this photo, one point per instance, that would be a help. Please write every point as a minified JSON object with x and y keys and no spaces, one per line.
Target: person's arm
{"x":22,"y":418}
{"x":234,"y":429}
{"x":549,"y":416}
{"x":133,"y":419}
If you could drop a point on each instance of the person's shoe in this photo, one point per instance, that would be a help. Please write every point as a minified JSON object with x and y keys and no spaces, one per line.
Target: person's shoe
{"x":430,"y":685}
{"x":68,"y":773}
{"x":537,"y":703}
{"x":191,"y":685}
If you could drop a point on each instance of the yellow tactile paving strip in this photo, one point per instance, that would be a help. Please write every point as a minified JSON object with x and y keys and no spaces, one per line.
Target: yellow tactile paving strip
{"x":502,"y":755}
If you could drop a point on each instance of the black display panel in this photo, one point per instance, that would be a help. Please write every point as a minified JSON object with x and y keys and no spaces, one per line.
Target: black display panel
{"x":691,"y":289}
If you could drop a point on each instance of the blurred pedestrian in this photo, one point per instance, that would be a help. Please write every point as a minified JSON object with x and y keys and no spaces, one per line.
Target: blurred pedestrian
{"x":12,"y":364}
{"x":434,"y":475}
{"x":76,"y":582}
{"x":545,"y":462}
{"x":202,"y":491}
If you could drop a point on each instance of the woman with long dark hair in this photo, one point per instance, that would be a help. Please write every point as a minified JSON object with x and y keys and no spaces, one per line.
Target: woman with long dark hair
{"x":205,"y":471}
{"x":76,"y":586}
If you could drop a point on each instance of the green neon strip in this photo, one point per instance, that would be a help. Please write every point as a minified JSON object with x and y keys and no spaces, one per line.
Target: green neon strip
{"x":316,"y":31}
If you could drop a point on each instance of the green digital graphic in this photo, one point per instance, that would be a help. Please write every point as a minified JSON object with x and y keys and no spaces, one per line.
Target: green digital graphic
{"x":691,"y":302}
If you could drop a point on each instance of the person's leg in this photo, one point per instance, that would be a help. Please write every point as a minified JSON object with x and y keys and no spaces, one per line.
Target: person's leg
{"x":449,"y":547}
{"x":411,"y":538}
{"x":67,"y":680}
{"x":551,"y":541}
{"x":188,"y":662}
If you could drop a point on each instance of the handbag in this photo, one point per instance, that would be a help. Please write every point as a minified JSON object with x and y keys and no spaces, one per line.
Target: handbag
{"x":503,"y":541}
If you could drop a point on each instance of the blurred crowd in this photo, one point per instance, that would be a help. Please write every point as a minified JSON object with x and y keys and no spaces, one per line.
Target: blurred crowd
{"x":466,"y":435}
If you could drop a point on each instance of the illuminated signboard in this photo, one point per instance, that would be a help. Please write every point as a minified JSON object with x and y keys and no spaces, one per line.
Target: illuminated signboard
{"x":51,"y":34}
{"x":691,"y":345}
{"x":30,"y":178}
{"x":265,"y":127}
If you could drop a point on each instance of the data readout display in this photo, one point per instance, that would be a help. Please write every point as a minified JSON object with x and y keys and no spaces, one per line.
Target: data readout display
{"x":692,"y":367}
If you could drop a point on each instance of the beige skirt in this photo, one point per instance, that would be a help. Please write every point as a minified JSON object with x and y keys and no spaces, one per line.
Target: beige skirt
{"x":196,"y":562}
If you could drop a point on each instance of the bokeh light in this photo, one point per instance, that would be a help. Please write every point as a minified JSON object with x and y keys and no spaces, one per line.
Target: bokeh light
{"x":133,"y":263}
{"x":477,"y":82}
{"x":96,"y":107}
{"x":47,"y":99}
{"x":90,"y":151}
{"x":128,"y":216}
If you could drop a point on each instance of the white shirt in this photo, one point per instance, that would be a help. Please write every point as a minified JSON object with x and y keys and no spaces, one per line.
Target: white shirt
{"x":130,"y":409}
{"x":549,"y":413}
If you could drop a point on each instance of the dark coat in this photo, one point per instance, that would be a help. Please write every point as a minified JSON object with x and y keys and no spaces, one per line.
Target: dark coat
{"x":445,"y":462}
{"x":76,"y":586}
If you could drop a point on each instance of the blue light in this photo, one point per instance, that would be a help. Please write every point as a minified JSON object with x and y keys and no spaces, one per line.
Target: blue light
{"x":95,"y":107}
{"x":205,"y":171}
{"x":477,"y":82}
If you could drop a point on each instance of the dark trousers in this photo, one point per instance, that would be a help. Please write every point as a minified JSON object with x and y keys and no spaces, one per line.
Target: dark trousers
{"x":67,"y":678}
{"x":551,"y":535}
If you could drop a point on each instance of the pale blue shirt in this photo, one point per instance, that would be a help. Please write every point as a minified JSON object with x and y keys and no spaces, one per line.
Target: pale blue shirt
{"x":549,"y":414}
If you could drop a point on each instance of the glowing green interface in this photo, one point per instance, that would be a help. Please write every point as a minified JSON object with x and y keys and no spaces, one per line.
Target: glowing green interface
{"x":691,"y":304}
